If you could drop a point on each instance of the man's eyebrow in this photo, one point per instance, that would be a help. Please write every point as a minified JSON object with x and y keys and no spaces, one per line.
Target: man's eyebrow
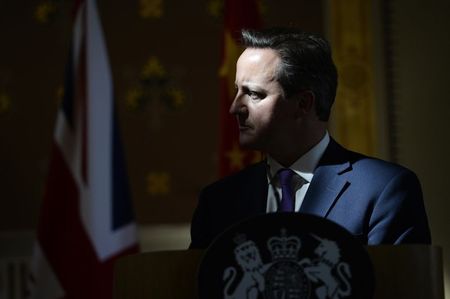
{"x":243,"y":86}
{"x":249,"y":86}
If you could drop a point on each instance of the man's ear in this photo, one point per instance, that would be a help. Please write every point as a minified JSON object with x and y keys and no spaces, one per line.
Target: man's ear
{"x":305,"y":103}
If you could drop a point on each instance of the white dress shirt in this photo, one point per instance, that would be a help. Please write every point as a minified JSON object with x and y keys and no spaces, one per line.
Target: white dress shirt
{"x":304,"y":171}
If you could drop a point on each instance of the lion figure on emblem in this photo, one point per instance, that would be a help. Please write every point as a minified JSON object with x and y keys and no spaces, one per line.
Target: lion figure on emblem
{"x":252,"y":282}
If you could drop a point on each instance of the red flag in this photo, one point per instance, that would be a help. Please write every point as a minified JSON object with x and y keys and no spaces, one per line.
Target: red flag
{"x":239,"y":14}
{"x":86,"y":219}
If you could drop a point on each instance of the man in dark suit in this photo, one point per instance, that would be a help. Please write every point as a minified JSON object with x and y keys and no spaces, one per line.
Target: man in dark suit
{"x":286,"y":84}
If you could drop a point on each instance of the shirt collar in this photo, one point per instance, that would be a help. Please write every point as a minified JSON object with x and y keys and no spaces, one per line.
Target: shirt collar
{"x":305,"y":165}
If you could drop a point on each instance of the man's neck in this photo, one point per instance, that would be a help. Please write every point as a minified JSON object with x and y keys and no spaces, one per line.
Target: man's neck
{"x":288,"y":155}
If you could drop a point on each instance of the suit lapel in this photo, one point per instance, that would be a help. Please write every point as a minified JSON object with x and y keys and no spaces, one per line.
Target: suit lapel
{"x":327,"y":184}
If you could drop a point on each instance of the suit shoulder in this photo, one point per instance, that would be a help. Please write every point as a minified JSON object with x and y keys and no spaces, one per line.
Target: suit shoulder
{"x":380,"y":170}
{"x":363,"y":164}
{"x":245,"y":176}
{"x":366,"y":162}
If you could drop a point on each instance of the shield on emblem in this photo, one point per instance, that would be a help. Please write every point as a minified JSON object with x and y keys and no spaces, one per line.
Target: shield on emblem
{"x":286,"y":255}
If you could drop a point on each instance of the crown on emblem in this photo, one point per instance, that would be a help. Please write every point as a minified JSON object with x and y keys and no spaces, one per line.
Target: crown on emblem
{"x":284,"y":247}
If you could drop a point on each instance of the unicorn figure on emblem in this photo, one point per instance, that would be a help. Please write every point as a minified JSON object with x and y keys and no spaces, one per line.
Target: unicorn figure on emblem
{"x":321,"y":269}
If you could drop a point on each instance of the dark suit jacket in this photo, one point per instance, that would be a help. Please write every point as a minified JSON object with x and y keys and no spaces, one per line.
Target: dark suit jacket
{"x":377,"y":201}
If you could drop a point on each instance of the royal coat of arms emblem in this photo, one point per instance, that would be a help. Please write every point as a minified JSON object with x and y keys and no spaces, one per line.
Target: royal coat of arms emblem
{"x":286,"y":275}
{"x":286,"y":261}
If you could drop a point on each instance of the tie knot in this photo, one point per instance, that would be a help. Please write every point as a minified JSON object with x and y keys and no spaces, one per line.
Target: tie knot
{"x":285,"y":176}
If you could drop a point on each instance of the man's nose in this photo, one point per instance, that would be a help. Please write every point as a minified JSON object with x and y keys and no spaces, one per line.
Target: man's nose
{"x":237,"y":105}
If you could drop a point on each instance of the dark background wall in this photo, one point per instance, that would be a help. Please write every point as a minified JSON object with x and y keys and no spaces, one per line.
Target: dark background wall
{"x":421,"y":65}
{"x":170,"y":141}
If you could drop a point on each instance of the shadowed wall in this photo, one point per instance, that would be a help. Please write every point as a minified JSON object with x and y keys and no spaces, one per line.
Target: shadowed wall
{"x":164,"y":56}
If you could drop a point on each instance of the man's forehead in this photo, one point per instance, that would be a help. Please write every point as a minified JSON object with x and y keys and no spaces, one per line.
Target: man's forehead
{"x":258,"y":65}
{"x":259,"y":55}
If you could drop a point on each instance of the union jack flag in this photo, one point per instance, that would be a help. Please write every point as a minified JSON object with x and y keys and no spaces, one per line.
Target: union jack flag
{"x":86,"y":218}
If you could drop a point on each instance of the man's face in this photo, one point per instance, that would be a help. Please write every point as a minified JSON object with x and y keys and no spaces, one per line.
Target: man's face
{"x":262,"y":112}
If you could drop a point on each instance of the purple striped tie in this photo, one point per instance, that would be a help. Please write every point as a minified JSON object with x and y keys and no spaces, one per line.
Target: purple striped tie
{"x":287,"y":194}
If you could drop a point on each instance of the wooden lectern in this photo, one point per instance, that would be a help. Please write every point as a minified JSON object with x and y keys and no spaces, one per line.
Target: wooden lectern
{"x":403,"y":271}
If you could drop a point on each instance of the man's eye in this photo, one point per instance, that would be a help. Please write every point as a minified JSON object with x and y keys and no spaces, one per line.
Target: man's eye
{"x":255,"y":95}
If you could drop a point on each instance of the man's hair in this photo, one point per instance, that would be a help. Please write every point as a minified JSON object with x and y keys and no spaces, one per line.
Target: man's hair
{"x":306,"y":63}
